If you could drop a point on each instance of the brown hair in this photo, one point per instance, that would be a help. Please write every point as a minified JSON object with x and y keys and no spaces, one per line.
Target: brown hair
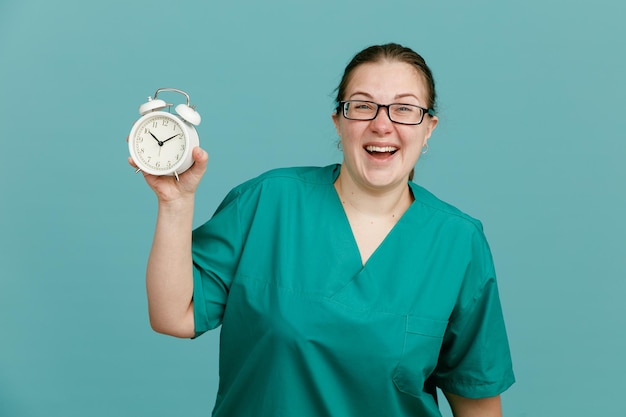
{"x":389,"y":52}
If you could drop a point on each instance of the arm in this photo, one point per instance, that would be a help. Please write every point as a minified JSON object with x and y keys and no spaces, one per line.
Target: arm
{"x":169,"y":275}
{"x":469,"y":407}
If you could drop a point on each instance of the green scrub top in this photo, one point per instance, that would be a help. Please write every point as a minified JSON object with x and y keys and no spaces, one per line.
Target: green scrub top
{"x":308,"y":330}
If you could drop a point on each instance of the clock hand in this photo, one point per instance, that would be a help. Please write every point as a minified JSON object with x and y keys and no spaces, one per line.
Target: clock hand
{"x":155,"y":138}
{"x":171,"y":138}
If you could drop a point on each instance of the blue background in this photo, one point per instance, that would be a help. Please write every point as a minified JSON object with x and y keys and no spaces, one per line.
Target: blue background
{"x":530,"y":140}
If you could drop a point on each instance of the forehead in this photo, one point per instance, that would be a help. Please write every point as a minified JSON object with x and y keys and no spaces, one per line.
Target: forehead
{"x":386,"y":80}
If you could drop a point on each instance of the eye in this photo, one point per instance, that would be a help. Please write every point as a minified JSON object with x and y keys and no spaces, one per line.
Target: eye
{"x":404,"y":108}
{"x":362,"y":105}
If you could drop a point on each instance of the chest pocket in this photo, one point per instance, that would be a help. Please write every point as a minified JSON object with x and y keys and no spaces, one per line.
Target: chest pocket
{"x":422,"y":343}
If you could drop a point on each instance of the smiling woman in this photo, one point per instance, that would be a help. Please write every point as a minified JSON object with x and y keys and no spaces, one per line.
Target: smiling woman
{"x":403,"y":127}
{"x":406,"y":108}
{"x":346,"y":290}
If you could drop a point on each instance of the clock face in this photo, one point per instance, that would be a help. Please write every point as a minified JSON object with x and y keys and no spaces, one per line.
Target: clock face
{"x":159,"y":143}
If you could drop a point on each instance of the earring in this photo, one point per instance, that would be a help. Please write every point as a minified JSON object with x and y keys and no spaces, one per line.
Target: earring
{"x":425,"y":149}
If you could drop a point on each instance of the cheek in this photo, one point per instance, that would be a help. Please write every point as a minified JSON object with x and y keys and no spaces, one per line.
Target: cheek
{"x":414,"y":138}
{"x":423,"y":133}
{"x":348,"y":133}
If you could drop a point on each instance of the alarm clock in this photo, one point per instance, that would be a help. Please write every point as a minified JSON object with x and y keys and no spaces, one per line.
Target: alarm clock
{"x":160,"y":142}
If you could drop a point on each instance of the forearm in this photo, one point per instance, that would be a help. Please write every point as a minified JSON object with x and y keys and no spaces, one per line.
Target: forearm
{"x":480,"y":407}
{"x":169,"y":275}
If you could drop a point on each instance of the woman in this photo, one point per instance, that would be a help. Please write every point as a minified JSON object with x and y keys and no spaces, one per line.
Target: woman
{"x":346,"y":290}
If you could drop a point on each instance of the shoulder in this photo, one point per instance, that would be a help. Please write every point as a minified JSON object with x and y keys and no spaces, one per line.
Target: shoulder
{"x":446,"y":223}
{"x":282,"y":180}
{"x":293,"y":175}
{"x":312,"y":175}
{"x":441,"y":209}
{"x":463,"y":234}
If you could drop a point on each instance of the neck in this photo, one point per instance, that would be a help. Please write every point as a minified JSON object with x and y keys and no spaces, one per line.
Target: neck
{"x":390,"y":202}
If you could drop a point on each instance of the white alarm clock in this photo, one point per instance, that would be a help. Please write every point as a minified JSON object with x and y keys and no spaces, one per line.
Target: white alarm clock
{"x":160,"y":142}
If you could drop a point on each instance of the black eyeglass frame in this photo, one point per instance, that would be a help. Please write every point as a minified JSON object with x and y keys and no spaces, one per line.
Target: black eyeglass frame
{"x":344,"y":110}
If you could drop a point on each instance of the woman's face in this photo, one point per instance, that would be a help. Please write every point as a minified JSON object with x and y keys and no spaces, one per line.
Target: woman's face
{"x":380,"y":154}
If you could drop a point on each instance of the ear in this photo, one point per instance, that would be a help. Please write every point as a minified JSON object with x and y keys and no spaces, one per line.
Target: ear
{"x":335,"y":118}
{"x":432,"y":124}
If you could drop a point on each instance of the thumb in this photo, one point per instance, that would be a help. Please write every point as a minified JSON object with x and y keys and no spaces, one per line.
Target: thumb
{"x":200,"y":158}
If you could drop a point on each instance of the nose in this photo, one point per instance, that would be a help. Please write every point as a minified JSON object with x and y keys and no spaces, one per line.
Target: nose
{"x":382,"y":123}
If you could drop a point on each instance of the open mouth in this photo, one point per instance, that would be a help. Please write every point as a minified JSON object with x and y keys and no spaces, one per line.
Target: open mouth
{"x":381,"y":151}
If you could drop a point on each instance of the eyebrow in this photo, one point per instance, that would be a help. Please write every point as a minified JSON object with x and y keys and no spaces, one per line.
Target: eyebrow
{"x":397,"y":97}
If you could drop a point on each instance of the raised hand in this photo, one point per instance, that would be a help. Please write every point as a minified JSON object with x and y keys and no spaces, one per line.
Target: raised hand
{"x":167,"y":189}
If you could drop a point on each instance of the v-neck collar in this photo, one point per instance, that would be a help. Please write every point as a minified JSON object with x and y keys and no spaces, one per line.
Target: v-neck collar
{"x":347,"y":228}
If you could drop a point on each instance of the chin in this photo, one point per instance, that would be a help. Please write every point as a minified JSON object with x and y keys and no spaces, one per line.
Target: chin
{"x":378,"y":181}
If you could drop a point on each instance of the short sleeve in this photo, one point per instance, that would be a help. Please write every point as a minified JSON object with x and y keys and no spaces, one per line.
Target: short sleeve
{"x":475,"y":359}
{"x":216,"y":249}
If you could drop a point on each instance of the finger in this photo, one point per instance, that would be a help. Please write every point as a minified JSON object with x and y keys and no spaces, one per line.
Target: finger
{"x":131,"y":162}
{"x":200,"y":158}
{"x":199,"y":155}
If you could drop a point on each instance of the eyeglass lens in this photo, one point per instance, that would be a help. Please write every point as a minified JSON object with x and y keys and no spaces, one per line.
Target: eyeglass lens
{"x":367,"y":110}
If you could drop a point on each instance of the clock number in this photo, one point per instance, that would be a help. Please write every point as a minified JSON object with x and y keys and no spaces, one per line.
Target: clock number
{"x":165,"y":122}
{"x":155,"y":124}
{"x":139,"y":139}
{"x":158,"y":164}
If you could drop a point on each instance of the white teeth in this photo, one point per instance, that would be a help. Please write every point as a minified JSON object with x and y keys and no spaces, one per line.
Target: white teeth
{"x":381,"y":148}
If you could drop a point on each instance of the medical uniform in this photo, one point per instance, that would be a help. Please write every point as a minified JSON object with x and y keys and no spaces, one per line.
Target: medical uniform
{"x":308,"y":330}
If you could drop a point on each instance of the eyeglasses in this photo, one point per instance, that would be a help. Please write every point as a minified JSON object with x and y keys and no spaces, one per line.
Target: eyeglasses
{"x":404,"y":114}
